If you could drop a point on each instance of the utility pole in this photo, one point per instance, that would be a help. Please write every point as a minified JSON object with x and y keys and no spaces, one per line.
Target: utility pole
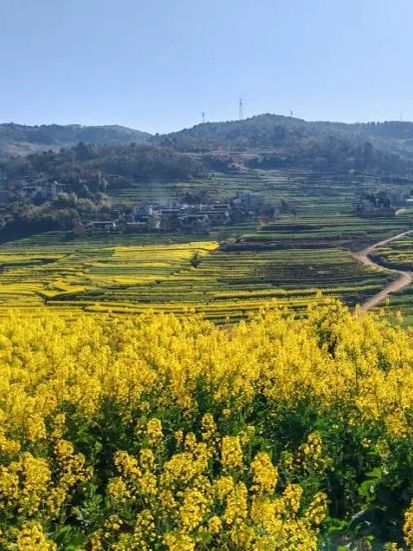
{"x":203,"y":117}
{"x":241,"y":110}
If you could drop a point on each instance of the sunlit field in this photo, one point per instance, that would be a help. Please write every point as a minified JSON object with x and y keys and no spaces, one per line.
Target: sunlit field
{"x":158,"y":432}
{"x":290,"y":258}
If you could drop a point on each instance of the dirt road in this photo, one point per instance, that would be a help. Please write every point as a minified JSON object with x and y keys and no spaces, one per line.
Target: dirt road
{"x":404,"y":278}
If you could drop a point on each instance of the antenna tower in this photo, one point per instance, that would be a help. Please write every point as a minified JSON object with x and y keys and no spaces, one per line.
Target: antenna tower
{"x":241,"y":110}
{"x":203,"y":116}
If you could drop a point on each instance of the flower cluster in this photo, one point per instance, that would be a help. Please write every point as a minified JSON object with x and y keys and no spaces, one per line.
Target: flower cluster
{"x":168,"y":433}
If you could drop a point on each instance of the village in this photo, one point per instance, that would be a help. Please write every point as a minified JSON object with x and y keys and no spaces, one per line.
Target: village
{"x":163,"y":216}
{"x":143,"y":217}
{"x":41,"y":190}
{"x":183,"y":215}
{"x":166,"y":216}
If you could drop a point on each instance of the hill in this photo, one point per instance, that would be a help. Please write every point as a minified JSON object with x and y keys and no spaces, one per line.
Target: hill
{"x":288,"y":141}
{"x":117,"y":163}
{"x":269,"y":130}
{"x":281,"y":141}
{"x":18,"y":139}
{"x":86,"y":173}
{"x":163,"y":168}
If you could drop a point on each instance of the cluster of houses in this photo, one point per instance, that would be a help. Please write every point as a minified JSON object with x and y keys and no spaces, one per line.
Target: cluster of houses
{"x":44,"y":190}
{"x":148,"y":216}
{"x":48,"y":190}
{"x":180,"y":216}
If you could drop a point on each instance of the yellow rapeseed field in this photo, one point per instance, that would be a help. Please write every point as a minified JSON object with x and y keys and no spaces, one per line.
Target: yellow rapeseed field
{"x":162,"y":433}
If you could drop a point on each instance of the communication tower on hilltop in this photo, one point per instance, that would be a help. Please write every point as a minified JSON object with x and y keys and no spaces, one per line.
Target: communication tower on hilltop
{"x":241,"y":110}
{"x":203,"y":117}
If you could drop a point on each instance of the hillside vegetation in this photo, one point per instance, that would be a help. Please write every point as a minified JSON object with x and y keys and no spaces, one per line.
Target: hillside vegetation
{"x":295,"y":142}
{"x":119,"y":165}
{"x":90,"y":171}
{"x":89,"y":174}
{"x":272,"y":142}
{"x":23,"y":139}
{"x":166,"y":433}
{"x":380,"y":146}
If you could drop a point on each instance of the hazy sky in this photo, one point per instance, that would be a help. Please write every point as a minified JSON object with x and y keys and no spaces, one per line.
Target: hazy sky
{"x":157,"y":64}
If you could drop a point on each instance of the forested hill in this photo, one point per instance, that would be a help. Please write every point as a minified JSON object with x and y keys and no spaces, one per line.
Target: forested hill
{"x":274,"y":130}
{"x":118,"y":165}
{"x":88,"y":175}
{"x":286,"y":141}
{"x":274,"y":141}
{"x":270,"y":130}
{"x":21,"y":139}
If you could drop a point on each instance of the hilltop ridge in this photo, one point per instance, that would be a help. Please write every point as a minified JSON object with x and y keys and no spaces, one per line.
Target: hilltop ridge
{"x":259,"y":131}
{"x":19,"y":139}
{"x":270,"y":130}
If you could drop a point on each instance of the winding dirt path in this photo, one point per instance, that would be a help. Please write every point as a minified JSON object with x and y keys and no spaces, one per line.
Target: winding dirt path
{"x":403,"y":280}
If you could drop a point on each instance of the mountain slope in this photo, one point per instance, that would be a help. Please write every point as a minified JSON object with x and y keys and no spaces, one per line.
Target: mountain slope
{"x":279,"y":140}
{"x":270,"y":130}
{"x":286,"y":141}
{"x":22,"y":139}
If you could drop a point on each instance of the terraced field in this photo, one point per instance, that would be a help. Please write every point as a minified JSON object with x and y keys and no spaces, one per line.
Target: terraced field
{"x":398,"y":255}
{"x":309,"y":193}
{"x":131,"y":278}
{"x":289,"y":259}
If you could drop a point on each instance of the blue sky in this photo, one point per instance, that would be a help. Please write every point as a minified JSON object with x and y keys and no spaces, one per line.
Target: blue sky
{"x":157,"y":64}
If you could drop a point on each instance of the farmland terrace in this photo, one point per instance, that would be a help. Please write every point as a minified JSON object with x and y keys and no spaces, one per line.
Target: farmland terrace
{"x":307,"y":249}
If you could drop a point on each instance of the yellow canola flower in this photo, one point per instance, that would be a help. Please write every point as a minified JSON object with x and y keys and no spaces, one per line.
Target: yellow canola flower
{"x":214,"y":524}
{"x":154,"y":431}
{"x":264,"y":474}
{"x":195,"y":478}
{"x":193,"y":509}
{"x":179,"y":542}
{"x":231,"y":452}
{"x":408,"y":527}
{"x":208,"y":427}
{"x":32,"y":538}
